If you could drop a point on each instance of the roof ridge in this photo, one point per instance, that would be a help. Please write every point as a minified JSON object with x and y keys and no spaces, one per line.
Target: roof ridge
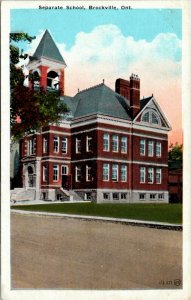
{"x":91,"y":87}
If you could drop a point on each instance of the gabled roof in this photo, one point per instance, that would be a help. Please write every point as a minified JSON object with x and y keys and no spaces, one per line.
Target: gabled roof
{"x":48,"y":49}
{"x":99,"y":99}
{"x":150,"y":103}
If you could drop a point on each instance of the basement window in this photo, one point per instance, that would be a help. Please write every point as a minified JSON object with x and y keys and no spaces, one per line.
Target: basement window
{"x":115,"y":196}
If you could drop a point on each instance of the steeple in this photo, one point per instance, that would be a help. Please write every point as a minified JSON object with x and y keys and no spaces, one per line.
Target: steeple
{"x":48,"y":49}
{"x":49,"y":64}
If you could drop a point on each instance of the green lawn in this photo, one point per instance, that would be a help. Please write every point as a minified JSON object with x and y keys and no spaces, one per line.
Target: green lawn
{"x":170,"y":213}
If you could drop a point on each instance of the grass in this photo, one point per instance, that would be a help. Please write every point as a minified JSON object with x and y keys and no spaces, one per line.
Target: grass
{"x":169,"y":213}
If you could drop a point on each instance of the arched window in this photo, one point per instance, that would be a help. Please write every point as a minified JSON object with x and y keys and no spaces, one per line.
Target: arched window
{"x":53,"y":80}
{"x":151,"y":117}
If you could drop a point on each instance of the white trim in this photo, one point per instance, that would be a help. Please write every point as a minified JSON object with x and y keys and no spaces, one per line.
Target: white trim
{"x":66,"y":169}
{"x":108,"y":175}
{"x":95,"y":118}
{"x":150,"y":129}
{"x":56,"y":132}
{"x":160,"y":111}
{"x":66,"y":141}
{"x":56,"y":161}
{"x":150,"y":191}
{"x":52,"y":157}
{"x":120,"y":161}
{"x":46,"y":62}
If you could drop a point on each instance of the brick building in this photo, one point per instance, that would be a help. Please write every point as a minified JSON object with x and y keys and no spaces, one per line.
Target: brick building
{"x":110,"y":146}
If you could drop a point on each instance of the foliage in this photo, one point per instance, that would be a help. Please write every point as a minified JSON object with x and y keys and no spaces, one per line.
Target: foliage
{"x":170,"y":213}
{"x":30,"y":109}
{"x":175,"y":152}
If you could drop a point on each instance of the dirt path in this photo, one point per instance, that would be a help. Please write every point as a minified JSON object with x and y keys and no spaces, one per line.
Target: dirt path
{"x":49,"y":252}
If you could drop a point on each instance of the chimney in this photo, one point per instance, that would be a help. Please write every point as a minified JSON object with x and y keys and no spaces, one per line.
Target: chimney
{"x":122,"y":87}
{"x":134,"y":95}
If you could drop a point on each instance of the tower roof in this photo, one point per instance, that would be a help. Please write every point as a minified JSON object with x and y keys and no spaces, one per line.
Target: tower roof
{"x":47,"y":48}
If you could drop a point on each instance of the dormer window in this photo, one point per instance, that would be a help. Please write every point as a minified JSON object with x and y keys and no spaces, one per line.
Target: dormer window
{"x":151,"y":117}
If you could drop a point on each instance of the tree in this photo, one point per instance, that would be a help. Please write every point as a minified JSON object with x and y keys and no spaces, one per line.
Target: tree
{"x":30,"y":109}
{"x":175,"y":153}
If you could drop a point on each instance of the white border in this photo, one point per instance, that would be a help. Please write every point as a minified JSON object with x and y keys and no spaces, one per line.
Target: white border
{"x":7,"y":293}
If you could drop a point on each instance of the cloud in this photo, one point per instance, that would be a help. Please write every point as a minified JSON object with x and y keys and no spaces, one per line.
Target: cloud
{"x":105,"y":53}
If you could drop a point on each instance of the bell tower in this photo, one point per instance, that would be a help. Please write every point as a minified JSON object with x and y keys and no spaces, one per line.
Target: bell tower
{"x":49,"y":65}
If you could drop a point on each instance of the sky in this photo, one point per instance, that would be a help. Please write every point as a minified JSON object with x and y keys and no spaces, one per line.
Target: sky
{"x":109,"y":44}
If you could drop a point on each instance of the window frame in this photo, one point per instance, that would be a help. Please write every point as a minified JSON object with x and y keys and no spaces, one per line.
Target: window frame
{"x":56,"y":144}
{"x":55,"y":172}
{"x":143,"y":172}
{"x":89,"y":147}
{"x":123,"y":168}
{"x":62,"y":167}
{"x":64,"y":142}
{"x":159,"y":173}
{"x":78,"y":173}
{"x":150,"y":175}
{"x":158,"y":149}
{"x":142,"y":147}
{"x":88,"y":173}
{"x":150,"y":148}
{"x":106,"y":142}
{"x":105,"y":176}
{"x":45,"y":144}
{"x":124,"y":148}
{"x":45,"y":173}
{"x":115,"y":143}
{"x":115,"y":171}
{"x":78,"y":145}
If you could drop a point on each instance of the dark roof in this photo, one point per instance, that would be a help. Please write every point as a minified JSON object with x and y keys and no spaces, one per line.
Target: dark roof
{"x":47,"y":48}
{"x":99,"y":99}
{"x":144,"y":102}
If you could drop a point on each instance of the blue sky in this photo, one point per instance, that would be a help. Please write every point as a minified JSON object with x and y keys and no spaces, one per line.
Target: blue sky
{"x":65,"y":24}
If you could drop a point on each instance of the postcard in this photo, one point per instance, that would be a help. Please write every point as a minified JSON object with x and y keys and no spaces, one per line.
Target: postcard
{"x":96,"y":163}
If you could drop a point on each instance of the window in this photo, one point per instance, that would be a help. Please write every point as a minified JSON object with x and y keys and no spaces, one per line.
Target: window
{"x":88,"y":173}
{"x":150,"y":175}
{"x":64,"y":170}
{"x":106,"y":142}
{"x":142,"y":147}
{"x":150,"y":148}
{"x":158,"y":175}
{"x":142,"y":174}
{"x":154,"y":119}
{"x":146,"y":117}
{"x":105,"y":172}
{"x":55,"y":172}
{"x":114,"y":172}
{"x":158,"y":149}
{"x":89,"y":147}
{"x":106,"y":196}
{"x":115,"y":144}
{"x":64,"y":145}
{"x":78,"y":173}
{"x":152,"y":196}
{"x":142,"y":196}
{"x":123,"y":196}
{"x":151,"y":117}
{"x":115,"y":196}
{"x":161,"y":196}
{"x":45,"y":173}
{"x":124,"y":144}
{"x":56,"y":144}
{"x":78,"y":145}
{"x":123,"y":173}
{"x":31,"y":147}
{"x":88,"y":196}
{"x":45,"y":145}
